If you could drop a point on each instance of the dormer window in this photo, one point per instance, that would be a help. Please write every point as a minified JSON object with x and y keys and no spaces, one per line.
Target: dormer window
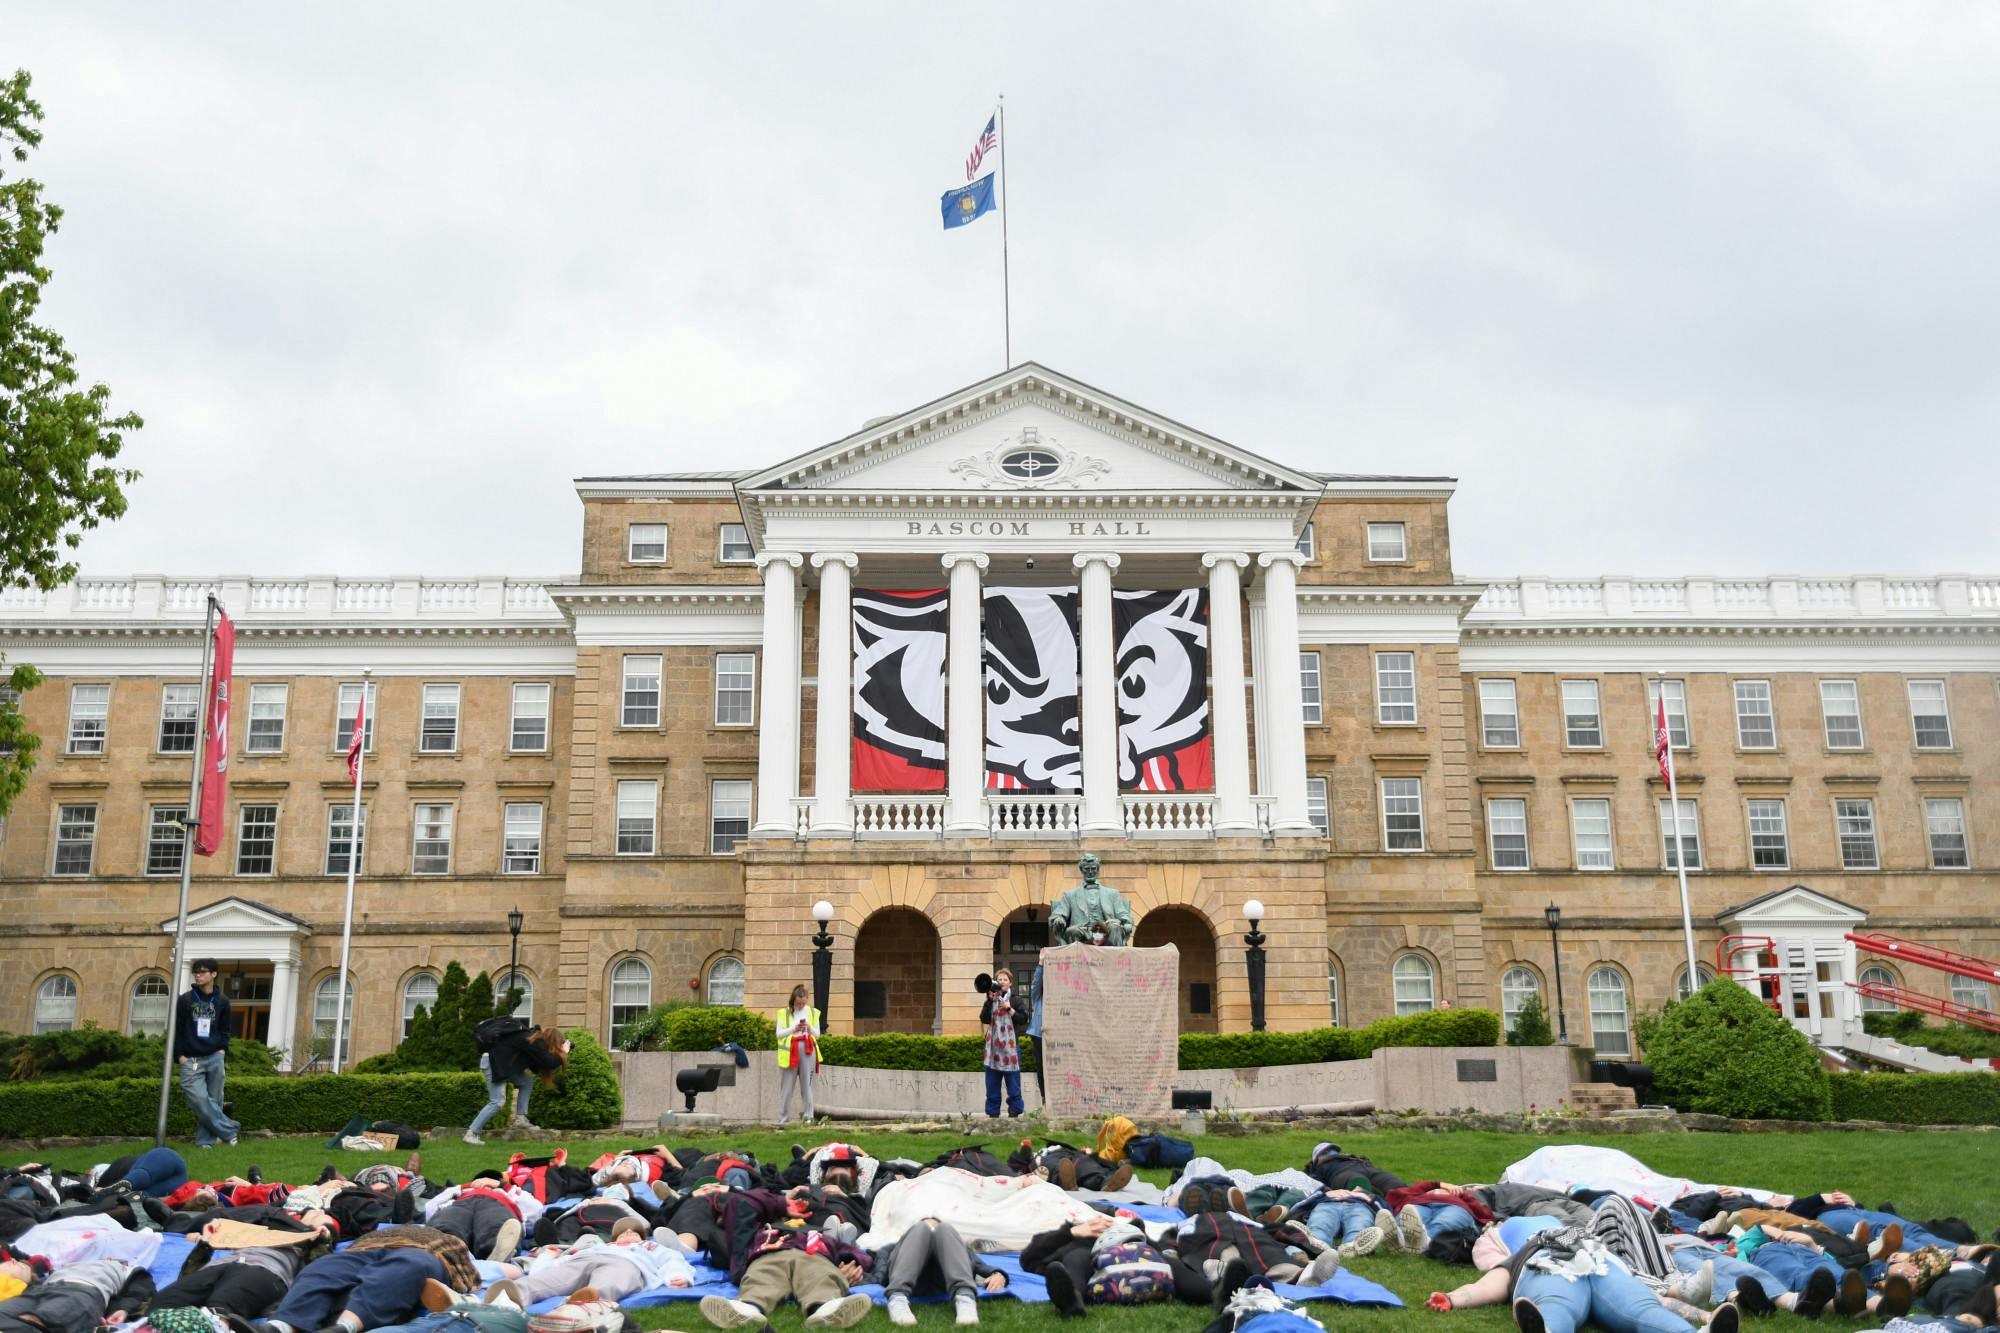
{"x":1030,"y":464}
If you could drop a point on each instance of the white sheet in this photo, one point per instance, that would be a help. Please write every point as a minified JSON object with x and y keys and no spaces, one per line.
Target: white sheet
{"x":1204,"y":1168}
{"x":1565,"y":1166}
{"x":1009,"y":1210}
{"x":71,"y":1240}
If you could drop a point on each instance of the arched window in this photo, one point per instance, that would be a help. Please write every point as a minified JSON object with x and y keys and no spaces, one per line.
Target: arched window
{"x":326,"y":1011}
{"x":1972,"y":994}
{"x":147,"y":1015}
{"x":725,"y":982}
{"x":518,"y":981}
{"x":419,"y":992}
{"x":55,"y":1004}
{"x":1332,"y":979}
{"x":1681,"y":990}
{"x":1881,"y":976}
{"x":631,"y":994}
{"x":1516,"y":985}
{"x":1610,"y":1023}
{"x":1416,"y":984}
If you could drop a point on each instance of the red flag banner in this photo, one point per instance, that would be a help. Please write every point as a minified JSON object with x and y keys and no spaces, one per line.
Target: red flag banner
{"x":1662,"y":739}
{"x":360,"y":734}
{"x":215,"y":745}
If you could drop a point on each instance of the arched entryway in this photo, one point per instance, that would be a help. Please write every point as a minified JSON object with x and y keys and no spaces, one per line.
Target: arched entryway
{"x":1018,"y":943}
{"x":896,"y":973}
{"x":1187,"y":930}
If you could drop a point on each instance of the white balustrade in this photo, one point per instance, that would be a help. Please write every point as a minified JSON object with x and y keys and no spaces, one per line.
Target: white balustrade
{"x":898,"y":816}
{"x":1983,"y":594}
{"x":1501,"y":598}
{"x":359,"y":596}
{"x":802,"y":814}
{"x":1572,"y":597}
{"x":278,"y":596}
{"x":1762,"y":598}
{"x":527,"y":597}
{"x":1168,"y":815}
{"x":22,"y":599}
{"x":1820,"y":596}
{"x":1035,"y":815}
{"x":1910,"y":594}
{"x":1659,"y":596}
{"x":1265,"y":808}
{"x":450,"y":595}
{"x":111,"y":595}
{"x":1743,"y":596}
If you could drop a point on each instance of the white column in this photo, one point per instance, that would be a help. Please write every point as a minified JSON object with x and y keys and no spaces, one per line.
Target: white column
{"x":1099,"y":690}
{"x":1287,"y":741}
{"x":778,"y":712}
{"x":1233,"y":814}
{"x":285,"y":1007}
{"x":965,"y":716}
{"x":833,"y":733}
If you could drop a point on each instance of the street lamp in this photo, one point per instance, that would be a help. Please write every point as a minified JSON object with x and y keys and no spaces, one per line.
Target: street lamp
{"x":822,"y":941}
{"x":1554,"y":916}
{"x":1253,"y":912}
{"x":514,"y":922}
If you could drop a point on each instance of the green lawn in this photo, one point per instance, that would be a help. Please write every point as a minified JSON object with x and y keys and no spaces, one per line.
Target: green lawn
{"x":1925,"y":1175}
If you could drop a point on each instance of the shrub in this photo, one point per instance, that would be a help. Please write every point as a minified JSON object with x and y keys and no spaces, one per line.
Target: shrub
{"x":649,"y":1032}
{"x":586,"y":1094}
{"x":1531,"y":1025}
{"x":1917,"y":1099}
{"x":703,"y":1027}
{"x":94,"y":1052}
{"x":441,"y":1035}
{"x":1721,"y":1051}
{"x":311,"y":1103}
{"x":905,"y":1050}
{"x":1908,"y":1027}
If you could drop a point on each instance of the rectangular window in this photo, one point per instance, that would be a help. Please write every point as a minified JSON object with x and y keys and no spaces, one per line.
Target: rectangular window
{"x":1499,"y":714}
{"x":76,"y":838}
{"x":728,"y":815}
{"x":1770,"y":845}
{"x":1590,"y":820}
{"x":440,"y":724}
{"x":1756,"y":726}
{"x":638,"y":810}
{"x":1395,"y":687}
{"x":180,"y":716}
{"x":10,"y":702}
{"x":341,"y":839}
{"x":89,"y":714}
{"x":343,"y":717}
{"x":1306,"y":541}
{"x":646,"y":543}
{"x":1583,"y":724}
{"x":1855,"y":820}
{"x":1840,"y":705}
{"x":1309,"y":695}
{"x":267,"y":719}
{"x":735,"y":548}
{"x":1944,"y":816}
{"x":1387,"y":541}
{"x":257,"y":840}
{"x":1677,"y":712}
{"x":430,"y":843}
{"x":735,"y":689}
{"x":521,"y":852}
{"x":1929,"y":715}
{"x":642,"y":692}
{"x":528,"y":732}
{"x":166,"y":840}
{"x":1403,"y":814}
{"x":1507,"y":833}
{"x":1690,"y":834}
{"x":1317,"y":809}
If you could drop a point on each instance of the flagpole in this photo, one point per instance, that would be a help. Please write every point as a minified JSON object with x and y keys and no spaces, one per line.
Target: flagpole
{"x":1680,"y":847}
{"x":358,"y":840}
{"x":190,"y":820}
{"x":1006,"y":282}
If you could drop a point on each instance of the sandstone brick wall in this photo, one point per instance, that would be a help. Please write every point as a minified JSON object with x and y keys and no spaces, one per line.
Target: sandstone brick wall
{"x":1340,"y":536}
{"x":694,"y":531}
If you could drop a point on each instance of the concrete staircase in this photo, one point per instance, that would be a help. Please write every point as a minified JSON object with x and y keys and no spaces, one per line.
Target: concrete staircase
{"x":1600,"y":1098}
{"x":1840,"y":1037}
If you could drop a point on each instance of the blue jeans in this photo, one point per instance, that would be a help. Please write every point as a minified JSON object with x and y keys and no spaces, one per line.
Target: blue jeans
{"x":201,"y":1084}
{"x":1793,"y":1264}
{"x":157,"y":1173}
{"x":1914,"y":1235}
{"x":1690,"y":1258}
{"x":1616,"y":1301}
{"x":496,"y":1095}
{"x":465,"y":1319}
{"x":1445,"y":1217}
{"x":1335,"y":1220}
{"x":1013,"y":1080}
{"x":380,"y":1287}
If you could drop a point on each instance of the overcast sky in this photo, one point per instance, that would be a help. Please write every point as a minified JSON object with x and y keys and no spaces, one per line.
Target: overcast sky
{"x":1671,"y":289}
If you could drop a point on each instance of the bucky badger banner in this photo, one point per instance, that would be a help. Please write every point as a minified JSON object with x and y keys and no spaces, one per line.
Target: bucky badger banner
{"x":899,"y":641}
{"x":1162,"y":656}
{"x":1032,"y":739}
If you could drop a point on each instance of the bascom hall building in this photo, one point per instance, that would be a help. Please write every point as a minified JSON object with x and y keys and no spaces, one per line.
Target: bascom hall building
{"x":918,"y":671}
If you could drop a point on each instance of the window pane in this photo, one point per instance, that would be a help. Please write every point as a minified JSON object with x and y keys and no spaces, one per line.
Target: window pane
{"x":430,"y":852}
{"x":1507,"y":833}
{"x":1386,"y":542}
{"x":1498,"y":713}
{"x":256,"y":839}
{"x":1316,"y":807}
{"x":341,"y":840}
{"x":1305,"y":542}
{"x":1972,"y":994}
{"x":343,"y":717}
{"x":725,"y":982}
{"x":1333,"y":989}
{"x":736,"y":542}
{"x":1929,"y":715}
{"x":147,"y":1016}
{"x":735,"y":689}
{"x":1610,"y":1032}
{"x":1396,"y":687}
{"x":647,"y":541}
{"x":1681,"y":988}
{"x":1309,"y":685}
{"x":1403,"y":814}
{"x":729,"y":815}
{"x":638,"y":803}
{"x":1855,"y":820}
{"x":55,"y":1005}
{"x":522,"y":841}
{"x":267,"y":719}
{"x":1944,"y":816}
{"x":89,"y":713}
{"x":420,"y":993}
{"x":642,"y":692}
{"x":166,"y":840}
{"x":1770,"y":848}
{"x":1582,"y":723}
{"x":180,"y":713}
{"x":1840,"y":705}
{"x":631,"y":995}
{"x":522,"y":982}
{"x":1516,"y":985}
{"x":76,"y":838}
{"x":1591,"y":820}
{"x":1415,"y":985}
{"x":327,"y":1010}
{"x":1690,"y":834}
{"x":440,"y":725}
{"x":1677,"y":713}
{"x":1876,"y":976}
{"x":1756,"y":727}
{"x":530,"y":727}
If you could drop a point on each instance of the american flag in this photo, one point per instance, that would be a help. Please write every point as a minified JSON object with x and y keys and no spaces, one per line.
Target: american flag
{"x":987,"y":139}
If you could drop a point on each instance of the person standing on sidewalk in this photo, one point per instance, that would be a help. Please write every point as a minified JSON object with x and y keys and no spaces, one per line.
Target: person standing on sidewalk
{"x":201,"y":1039}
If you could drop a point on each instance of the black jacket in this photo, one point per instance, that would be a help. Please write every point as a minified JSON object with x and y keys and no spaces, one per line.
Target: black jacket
{"x":215,"y":1006}
{"x":1022,"y":1012}
{"x":516,"y":1053}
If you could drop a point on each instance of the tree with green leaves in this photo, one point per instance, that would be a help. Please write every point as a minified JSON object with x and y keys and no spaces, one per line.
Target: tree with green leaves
{"x":56,"y":440}
{"x":1531,"y":1025}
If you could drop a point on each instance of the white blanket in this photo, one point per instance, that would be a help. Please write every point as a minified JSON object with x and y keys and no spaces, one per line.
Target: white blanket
{"x":1567,"y":1166}
{"x":1206,"y":1168}
{"x":1008,"y":1210}
{"x":71,"y":1240}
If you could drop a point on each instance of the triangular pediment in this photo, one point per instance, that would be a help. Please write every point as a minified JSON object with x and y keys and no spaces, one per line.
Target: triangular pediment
{"x":1795,"y":906}
{"x":1029,"y":431}
{"x":240,"y":916}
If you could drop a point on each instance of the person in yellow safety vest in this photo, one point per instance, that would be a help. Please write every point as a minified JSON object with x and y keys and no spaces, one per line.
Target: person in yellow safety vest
{"x":798,"y":1055}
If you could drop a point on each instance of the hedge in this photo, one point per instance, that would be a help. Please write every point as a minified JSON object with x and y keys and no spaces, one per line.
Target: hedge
{"x":1908,"y":1027}
{"x":1917,"y":1099}
{"x":94,"y":1052}
{"x":904,"y":1050}
{"x":704,"y":1027}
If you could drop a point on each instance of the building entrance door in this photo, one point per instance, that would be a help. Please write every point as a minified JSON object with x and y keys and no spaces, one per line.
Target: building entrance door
{"x":248,"y":987}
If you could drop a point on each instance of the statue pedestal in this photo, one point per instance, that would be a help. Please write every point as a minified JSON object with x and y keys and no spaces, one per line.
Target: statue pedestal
{"x":1110,"y":1031}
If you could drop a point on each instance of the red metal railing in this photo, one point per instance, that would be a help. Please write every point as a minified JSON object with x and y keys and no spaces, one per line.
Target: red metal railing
{"x":1969,"y":1014}
{"x":1929,"y":955}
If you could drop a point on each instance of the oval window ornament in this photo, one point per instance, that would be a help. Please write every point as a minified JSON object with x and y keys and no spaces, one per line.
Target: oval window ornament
{"x":1031,"y":464}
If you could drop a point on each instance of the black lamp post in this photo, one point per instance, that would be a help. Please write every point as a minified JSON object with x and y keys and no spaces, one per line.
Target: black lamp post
{"x":1253,"y":957}
{"x":514,"y":923}
{"x":1554,"y":916}
{"x":822,"y":942}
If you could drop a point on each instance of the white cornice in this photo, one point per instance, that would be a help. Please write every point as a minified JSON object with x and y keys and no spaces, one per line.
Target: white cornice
{"x":1463,"y":595}
{"x":1389,"y":488}
{"x":661,"y":599}
{"x":642,"y":488}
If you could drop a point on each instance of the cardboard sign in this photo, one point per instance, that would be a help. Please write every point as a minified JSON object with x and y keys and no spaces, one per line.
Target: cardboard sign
{"x":1110,"y":1030}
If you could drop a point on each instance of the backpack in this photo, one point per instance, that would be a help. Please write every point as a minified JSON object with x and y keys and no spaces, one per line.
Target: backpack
{"x":490,"y":1032}
{"x":1113,"y":1137}
{"x":548,"y":1178}
{"x":593,"y":1216}
{"x":406,"y":1136}
{"x":1158,"y":1150}
{"x":1129,"y":1273}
